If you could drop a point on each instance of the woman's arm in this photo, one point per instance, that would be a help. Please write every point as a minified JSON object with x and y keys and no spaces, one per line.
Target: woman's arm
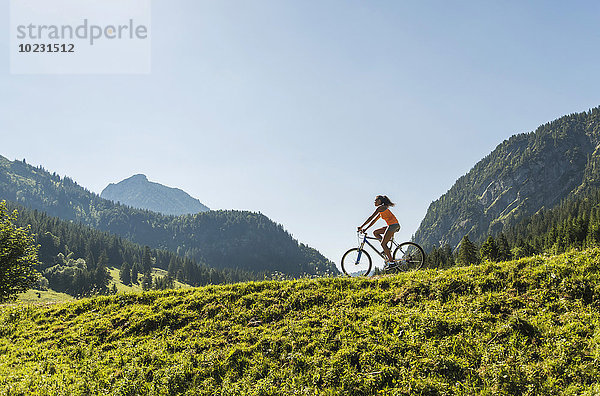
{"x":369,"y":226}
{"x":373,"y":217}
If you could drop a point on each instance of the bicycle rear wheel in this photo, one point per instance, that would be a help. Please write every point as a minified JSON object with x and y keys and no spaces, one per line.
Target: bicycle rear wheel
{"x":356,"y":262}
{"x":410,"y":256}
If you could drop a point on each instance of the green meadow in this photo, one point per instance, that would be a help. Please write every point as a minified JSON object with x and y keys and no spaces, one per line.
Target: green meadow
{"x":528,"y":327}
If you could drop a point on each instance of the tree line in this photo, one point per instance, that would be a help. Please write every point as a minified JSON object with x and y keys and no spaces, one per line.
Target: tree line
{"x":74,"y":259}
{"x":573,"y":224}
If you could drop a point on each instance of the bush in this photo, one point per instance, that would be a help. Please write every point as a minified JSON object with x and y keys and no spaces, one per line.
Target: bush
{"x":18,"y":256}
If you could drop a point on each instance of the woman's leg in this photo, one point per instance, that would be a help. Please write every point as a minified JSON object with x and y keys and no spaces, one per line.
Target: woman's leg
{"x":385,"y":241}
{"x":379,"y":232}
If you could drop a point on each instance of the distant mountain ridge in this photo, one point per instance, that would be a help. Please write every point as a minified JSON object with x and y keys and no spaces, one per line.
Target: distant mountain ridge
{"x":524,"y":174}
{"x":140,"y":193}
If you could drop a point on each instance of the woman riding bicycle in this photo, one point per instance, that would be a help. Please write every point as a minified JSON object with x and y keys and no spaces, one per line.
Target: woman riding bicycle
{"x":383,"y":211}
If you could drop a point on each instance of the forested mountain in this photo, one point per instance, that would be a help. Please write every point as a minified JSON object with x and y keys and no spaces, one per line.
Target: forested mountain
{"x":222,"y":239}
{"x":524,"y":174}
{"x":74,"y":258}
{"x":574,"y":223}
{"x":140,"y":193}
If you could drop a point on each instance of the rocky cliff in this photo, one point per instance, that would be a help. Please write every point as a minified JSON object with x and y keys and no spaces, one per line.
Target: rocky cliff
{"x":522,"y":175}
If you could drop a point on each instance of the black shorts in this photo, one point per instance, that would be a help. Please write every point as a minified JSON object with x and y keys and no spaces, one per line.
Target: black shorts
{"x":393,"y":228}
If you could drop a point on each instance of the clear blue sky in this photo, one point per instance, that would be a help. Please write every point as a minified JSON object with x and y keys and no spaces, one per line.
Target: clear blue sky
{"x":305,"y":110}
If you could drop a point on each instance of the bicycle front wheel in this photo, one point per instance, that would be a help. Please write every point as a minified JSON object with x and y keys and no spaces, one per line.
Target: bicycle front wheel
{"x":356,"y":262}
{"x":410,"y":256}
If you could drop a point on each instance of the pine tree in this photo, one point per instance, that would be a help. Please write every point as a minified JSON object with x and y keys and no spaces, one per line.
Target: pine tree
{"x":103,"y":259}
{"x":101,"y":275}
{"x":163,"y":282}
{"x":467,"y":253}
{"x":523,"y":249}
{"x":489,"y":250}
{"x":504,"y":253}
{"x":147,"y":281}
{"x":90,"y":262}
{"x":449,"y":256}
{"x":173,"y":267}
{"x":134,"y":273}
{"x":146,"y":260}
{"x":125,"y":274}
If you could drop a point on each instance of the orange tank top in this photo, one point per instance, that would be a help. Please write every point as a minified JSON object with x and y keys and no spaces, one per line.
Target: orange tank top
{"x":388,"y":216}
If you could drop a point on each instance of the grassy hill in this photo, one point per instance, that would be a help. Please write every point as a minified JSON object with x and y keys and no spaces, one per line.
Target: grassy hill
{"x":523,"y":327}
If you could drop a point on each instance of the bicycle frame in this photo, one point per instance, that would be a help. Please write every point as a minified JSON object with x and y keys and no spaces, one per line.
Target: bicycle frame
{"x":406,"y":256}
{"x":365,"y":240}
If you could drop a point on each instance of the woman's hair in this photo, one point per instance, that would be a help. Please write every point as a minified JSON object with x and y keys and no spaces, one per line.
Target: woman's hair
{"x":385,"y":200}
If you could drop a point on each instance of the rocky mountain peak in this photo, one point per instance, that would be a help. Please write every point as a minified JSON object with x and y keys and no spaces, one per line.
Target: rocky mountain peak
{"x":138,"y":192}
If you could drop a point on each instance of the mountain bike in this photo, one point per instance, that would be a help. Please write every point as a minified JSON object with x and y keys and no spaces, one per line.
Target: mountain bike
{"x":407,"y":256}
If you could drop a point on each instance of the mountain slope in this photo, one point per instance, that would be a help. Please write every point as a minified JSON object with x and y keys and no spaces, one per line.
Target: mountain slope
{"x":140,"y":193}
{"x":527,"y":327}
{"x":70,"y":253}
{"x":221,"y":239}
{"x":522,"y":175}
